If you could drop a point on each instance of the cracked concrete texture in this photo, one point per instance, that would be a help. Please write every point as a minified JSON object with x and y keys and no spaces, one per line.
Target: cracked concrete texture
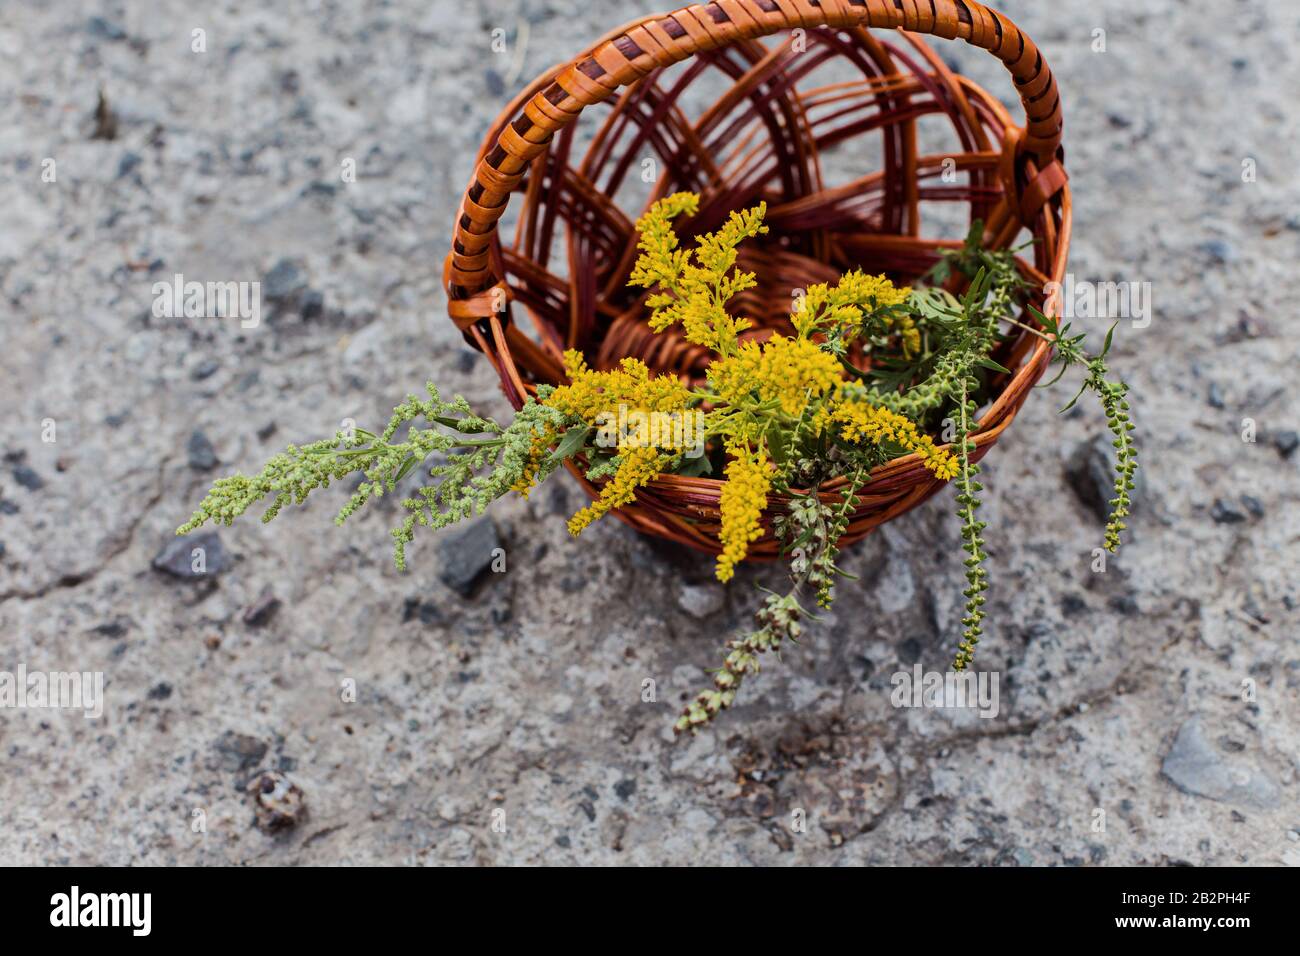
{"x":1120,"y":692}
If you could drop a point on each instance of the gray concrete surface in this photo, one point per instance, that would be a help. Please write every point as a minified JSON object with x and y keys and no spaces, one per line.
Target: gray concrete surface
{"x":1122,"y":693}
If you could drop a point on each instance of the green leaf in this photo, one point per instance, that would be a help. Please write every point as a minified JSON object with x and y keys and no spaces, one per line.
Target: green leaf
{"x":1064,"y":366}
{"x":973,"y":295}
{"x":1045,"y":321}
{"x":573,"y":442}
{"x":695,"y":467}
{"x":777,"y":442}
{"x":1106,"y":345}
{"x":1083,"y":388}
{"x":856,"y":372}
{"x":407,"y":467}
{"x":990,"y":364}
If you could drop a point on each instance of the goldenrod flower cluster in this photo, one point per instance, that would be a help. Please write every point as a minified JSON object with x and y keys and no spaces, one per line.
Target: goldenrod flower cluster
{"x":905,"y":325}
{"x":861,"y":423}
{"x":598,"y":398}
{"x":744,"y":498}
{"x":695,"y":293}
{"x":542,"y":440}
{"x":638,"y":466}
{"x":757,"y":388}
{"x":863,"y":288}
{"x":593,"y":396}
{"x":857,"y":296}
{"x":790,"y":371}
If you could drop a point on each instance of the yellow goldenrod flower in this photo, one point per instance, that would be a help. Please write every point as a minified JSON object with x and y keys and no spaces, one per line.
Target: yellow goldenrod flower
{"x":744,"y":498}
{"x":790,"y":371}
{"x":905,"y":325}
{"x":599,"y":398}
{"x":845,"y":304}
{"x":537,"y":452}
{"x":860,"y":422}
{"x":639,"y":466}
{"x":863,"y":289}
{"x":695,"y":293}
{"x":660,"y":261}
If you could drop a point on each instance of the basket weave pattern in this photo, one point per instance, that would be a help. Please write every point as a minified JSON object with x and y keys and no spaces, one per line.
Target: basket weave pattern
{"x":761,"y":141}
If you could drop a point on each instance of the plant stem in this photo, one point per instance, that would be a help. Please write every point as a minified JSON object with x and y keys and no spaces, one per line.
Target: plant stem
{"x":973,"y":544}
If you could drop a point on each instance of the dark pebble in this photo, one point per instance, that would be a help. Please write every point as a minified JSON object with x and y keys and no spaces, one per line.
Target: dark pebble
{"x":1073,"y":604}
{"x":909,"y":652}
{"x":105,"y":29}
{"x":1253,"y":505}
{"x":201,"y":455}
{"x":114,"y":628}
{"x":1214,"y":395}
{"x":240,"y":751}
{"x":1286,"y":442}
{"x":319,"y":189}
{"x":426,"y":612}
{"x":260,"y":612}
{"x":625,"y":788}
{"x":466,"y":553}
{"x":176,"y":557}
{"x":313,"y":304}
{"x":284,"y":281}
{"x":868,"y":667}
{"x":28,"y":478}
{"x":1125,"y":604}
{"x":1219,"y":251}
{"x":129,"y":163}
{"x":496,"y":86}
{"x":160,"y":691}
{"x":205,"y":369}
{"x":1226,"y":512}
{"x":1090,"y":471}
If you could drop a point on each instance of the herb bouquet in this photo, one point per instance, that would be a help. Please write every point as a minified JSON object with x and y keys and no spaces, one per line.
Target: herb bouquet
{"x":872,"y":372}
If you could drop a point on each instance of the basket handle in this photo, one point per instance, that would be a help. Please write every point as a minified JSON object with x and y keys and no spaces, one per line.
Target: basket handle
{"x":475,"y":292}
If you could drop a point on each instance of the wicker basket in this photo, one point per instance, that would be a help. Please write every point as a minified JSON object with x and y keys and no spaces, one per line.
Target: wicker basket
{"x":574,"y":247}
